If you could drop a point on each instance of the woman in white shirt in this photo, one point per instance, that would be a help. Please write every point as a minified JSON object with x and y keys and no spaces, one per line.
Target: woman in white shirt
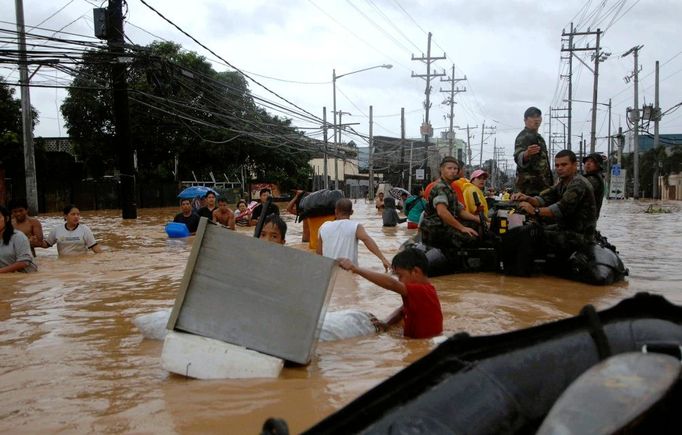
{"x":72,"y":238}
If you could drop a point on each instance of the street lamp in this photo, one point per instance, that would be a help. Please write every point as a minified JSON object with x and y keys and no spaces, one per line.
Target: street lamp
{"x":336,"y":145}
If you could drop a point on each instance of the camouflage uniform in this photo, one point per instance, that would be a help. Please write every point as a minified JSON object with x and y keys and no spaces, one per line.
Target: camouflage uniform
{"x":434,"y":231}
{"x":535,"y":175}
{"x":574,"y":208}
{"x":596,"y":179}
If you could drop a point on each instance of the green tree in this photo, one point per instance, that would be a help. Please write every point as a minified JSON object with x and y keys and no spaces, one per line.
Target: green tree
{"x":181,"y":107}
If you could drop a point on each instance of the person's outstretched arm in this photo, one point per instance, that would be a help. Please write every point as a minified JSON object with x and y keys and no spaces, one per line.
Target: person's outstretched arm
{"x":37,"y":230}
{"x":291,"y":206}
{"x":380,"y":279}
{"x":361,"y":234}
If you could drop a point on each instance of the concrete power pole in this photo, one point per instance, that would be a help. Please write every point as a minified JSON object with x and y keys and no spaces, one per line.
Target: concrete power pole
{"x":26,"y":115}
{"x":469,"y":153}
{"x":480,"y":159}
{"x":371,"y":142}
{"x":657,"y":118}
{"x":550,"y":145}
{"x":426,"y":129}
{"x":609,"y":147}
{"x":121,"y":110}
{"x":570,"y":82}
{"x":635,"y":117}
{"x":402,"y":146}
{"x":483,"y":129}
{"x":325,"y":169}
{"x":451,"y":101}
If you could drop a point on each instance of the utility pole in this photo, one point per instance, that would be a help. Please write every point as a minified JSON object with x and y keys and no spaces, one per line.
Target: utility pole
{"x":570,"y":81}
{"x":597,"y":57}
{"x":580,"y":153}
{"x":337,"y":130}
{"x":409,"y":182}
{"x":469,"y":144}
{"x":325,"y":169}
{"x":26,"y":115}
{"x":635,"y":116}
{"x":121,"y":111}
{"x":657,"y":118}
{"x":657,"y":110}
{"x":336,"y":138}
{"x":621,"y":141}
{"x":550,"y":145}
{"x":426,"y":129}
{"x":371,"y":143}
{"x":480,"y":159}
{"x":491,"y":130}
{"x":451,"y":101}
{"x":609,"y":147}
{"x":492,"y":167}
{"x":565,"y":139}
{"x":402,"y":146}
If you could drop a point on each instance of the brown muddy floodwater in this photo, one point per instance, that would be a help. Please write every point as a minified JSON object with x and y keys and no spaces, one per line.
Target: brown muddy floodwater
{"x":71,"y":360}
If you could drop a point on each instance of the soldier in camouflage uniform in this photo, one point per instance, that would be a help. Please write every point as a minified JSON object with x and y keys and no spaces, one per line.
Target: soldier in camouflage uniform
{"x":570,"y":203}
{"x":593,"y":172}
{"x":440,"y":226}
{"x":533,"y":174}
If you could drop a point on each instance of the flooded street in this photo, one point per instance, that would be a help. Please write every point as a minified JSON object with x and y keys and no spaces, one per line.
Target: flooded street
{"x":73,"y":362}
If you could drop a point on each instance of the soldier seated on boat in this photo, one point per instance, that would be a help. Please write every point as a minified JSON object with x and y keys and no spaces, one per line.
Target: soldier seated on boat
{"x":570,"y":203}
{"x":441,"y":226}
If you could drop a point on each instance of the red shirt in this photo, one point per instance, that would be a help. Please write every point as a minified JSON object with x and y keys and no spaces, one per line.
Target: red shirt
{"x":421,"y":311}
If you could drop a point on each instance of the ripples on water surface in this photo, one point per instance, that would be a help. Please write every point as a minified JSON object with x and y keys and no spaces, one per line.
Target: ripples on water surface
{"x":72,"y":361}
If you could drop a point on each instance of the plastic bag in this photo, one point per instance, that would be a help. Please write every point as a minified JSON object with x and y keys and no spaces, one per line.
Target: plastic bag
{"x":153,"y":325}
{"x":339,"y":325}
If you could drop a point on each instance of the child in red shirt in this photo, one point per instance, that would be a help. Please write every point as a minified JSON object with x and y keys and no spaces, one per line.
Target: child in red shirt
{"x":421,"y":310}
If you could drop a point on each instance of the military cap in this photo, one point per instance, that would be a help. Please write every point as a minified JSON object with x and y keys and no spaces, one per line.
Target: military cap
{"x":532,"y":111}
{"x":598,"y":159}
{"x":449,"y":159}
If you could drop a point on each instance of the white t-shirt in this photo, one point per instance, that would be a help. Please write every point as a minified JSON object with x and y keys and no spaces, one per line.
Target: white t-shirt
{"x":72,"y":242}
{"x":338,"y":239}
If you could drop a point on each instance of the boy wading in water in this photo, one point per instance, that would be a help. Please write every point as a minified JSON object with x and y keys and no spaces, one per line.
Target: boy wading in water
{"x":421,"y":309}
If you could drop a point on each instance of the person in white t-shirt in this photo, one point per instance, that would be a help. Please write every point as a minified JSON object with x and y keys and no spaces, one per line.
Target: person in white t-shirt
{"x":339,"y":238}
{"x":72,"y":238}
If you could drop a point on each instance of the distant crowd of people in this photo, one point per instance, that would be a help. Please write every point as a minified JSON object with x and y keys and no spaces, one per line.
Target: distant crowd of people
{"x":221,"y":213}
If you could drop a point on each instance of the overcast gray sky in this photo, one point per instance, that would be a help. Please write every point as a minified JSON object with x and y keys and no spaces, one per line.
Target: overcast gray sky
{"x":509,"y":51}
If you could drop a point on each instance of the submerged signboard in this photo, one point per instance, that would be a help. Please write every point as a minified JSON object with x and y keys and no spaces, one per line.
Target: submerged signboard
{"x":617,"y":185}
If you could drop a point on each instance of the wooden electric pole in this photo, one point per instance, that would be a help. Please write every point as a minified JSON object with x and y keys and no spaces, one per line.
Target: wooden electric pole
{"x":426,"y":129}
{"x":598,"y":57}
